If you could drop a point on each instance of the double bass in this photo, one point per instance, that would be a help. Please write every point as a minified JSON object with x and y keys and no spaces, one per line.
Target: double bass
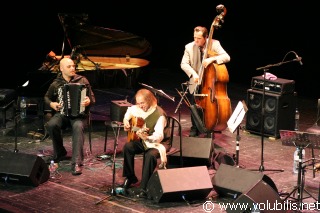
{"x":211,"y":95}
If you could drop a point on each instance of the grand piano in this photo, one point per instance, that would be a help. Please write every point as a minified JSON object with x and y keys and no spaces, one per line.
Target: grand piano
{"x":100,"y":53}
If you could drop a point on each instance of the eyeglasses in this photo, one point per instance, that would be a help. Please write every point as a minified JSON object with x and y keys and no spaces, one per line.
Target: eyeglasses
{"x":69,"y":66}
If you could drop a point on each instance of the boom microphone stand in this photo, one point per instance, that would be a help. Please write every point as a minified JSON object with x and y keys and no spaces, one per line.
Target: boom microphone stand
{"x":265,"y":69}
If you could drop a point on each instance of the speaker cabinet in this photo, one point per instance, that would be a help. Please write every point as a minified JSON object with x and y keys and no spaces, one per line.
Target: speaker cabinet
{"x":260,"y":198}
{"x":24,"y":169}
{"x":118,"y":109}
{"x":279,"y":111}
{"x":192,"y":183}
{"x":195,"y":151}
{"x":231,"y":182}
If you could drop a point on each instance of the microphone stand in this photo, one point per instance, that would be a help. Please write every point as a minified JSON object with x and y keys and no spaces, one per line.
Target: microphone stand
{"x":116,"y":129}
{"x":265,"y":69}
{"x":261,"y":168}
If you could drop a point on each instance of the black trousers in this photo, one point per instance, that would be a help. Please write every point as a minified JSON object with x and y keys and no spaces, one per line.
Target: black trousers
{"x":132,"y":148}
{"x":55,"y":126}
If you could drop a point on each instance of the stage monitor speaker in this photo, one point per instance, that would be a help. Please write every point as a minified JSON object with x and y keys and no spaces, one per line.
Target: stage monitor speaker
{"x":260,"y":198}
{"x":231,"y":182}
{"x":279,"y":112}
{"x":118,"y":109}
{"x":24,"y":169}
{"x":188,"y":183}
{"x":195,"y":151}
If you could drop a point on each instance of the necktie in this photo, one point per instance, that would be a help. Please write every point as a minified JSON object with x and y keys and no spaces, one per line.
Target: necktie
{"x":201,"y":53}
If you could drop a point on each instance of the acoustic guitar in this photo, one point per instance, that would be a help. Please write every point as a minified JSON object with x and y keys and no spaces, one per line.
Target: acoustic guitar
{"x":136,"y":124}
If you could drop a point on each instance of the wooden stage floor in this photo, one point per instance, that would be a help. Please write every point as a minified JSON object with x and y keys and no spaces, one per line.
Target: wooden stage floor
{"x":91,"y":190}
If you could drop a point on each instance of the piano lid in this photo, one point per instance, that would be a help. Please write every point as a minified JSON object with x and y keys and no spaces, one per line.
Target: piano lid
{"x":100,"y":41}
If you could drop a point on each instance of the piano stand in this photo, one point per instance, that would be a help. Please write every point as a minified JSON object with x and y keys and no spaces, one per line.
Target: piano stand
{"x":130,"y":74}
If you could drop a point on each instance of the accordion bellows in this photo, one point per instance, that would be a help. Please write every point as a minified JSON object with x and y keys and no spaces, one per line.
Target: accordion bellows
{"x":70,"y":97}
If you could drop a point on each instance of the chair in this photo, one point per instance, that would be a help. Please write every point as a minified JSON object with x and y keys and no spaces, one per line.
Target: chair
{"x":170,"y":129}
{"x":172,"y":123}
{"x":171,"y":133}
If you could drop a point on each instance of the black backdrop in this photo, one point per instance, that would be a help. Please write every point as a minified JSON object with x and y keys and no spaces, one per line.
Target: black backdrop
{"x":255,"y":34}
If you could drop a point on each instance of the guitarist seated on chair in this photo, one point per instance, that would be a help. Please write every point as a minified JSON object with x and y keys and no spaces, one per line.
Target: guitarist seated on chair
{"x":146,"y":124}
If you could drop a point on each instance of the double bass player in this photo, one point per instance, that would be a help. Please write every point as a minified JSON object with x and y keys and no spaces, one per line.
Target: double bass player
{"x":192,"y":60}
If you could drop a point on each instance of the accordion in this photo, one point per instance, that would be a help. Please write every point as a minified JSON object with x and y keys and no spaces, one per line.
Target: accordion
{"x":70,"y":97}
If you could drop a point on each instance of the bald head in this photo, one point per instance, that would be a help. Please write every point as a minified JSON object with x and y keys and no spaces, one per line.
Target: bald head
{"x":67,"y":68}
{"x":65,"y":61}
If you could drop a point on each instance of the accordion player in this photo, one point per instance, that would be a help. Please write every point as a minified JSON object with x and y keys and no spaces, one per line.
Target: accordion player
{"x":70,"y":97}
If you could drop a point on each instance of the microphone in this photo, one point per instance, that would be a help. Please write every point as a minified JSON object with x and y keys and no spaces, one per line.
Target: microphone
{"x":298,"y":58}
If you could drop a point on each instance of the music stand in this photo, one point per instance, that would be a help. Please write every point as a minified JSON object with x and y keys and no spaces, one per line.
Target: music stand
{"x":116,"y":125}
{"x":158,"y":92}
{"x":300,"y":140}
{"x":234,"y":123}
{"x":314,"y":138}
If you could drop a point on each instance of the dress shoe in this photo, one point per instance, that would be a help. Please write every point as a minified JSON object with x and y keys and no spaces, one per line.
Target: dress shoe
{"x":128,"y":181}
{"x":60,"y":157}
{"x":76,"y":169}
